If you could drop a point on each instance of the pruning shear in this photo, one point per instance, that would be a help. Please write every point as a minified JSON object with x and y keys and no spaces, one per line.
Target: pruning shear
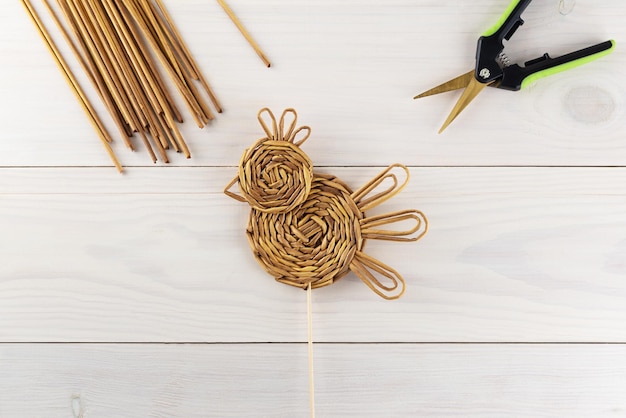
{"x":493,"y":67}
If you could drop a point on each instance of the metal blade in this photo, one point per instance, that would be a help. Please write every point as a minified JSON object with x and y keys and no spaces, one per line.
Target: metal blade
{"x":471,"y":91}
{"x":456,"y":83}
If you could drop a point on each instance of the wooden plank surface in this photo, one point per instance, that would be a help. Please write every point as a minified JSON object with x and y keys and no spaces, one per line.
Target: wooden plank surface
{"x":137,"y":295}
{"x":263,"y":380}
{"x":513,"y":254}
{"x":351,"y":69}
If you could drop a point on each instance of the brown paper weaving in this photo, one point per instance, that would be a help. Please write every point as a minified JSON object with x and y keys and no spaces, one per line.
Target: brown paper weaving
{"x":309,"y":228}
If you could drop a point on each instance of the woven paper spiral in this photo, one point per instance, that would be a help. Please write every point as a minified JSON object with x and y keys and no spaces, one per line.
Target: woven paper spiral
{"x":308,"y":228}
{"x":275,"y":175}
{"x":314,"y":243}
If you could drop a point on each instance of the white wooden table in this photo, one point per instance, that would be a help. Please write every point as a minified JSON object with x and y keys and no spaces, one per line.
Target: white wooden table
{"x":137,"y":295}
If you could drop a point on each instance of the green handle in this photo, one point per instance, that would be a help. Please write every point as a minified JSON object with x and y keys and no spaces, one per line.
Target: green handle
{"x":511,"y":17}
{"x":545,"y":66}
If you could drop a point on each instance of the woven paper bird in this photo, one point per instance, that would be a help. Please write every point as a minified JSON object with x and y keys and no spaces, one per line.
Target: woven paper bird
{"x":307,"y":228}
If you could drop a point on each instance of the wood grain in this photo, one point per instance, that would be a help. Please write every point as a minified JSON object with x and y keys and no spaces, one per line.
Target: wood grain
{"x":512,"y":255}
{"x":351,"y":68}
{"x":511,"y":297}
{"x":352,"y":380}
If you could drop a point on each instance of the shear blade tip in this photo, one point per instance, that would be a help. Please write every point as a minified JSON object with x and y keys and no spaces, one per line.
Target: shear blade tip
{"x":447,"y":123}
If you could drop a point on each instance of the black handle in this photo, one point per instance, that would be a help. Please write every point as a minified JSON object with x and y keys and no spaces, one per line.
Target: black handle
{"x":491,"y":43}
{"x":516,"y":77}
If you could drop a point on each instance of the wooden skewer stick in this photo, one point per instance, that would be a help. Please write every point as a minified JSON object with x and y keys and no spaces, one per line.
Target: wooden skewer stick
{"x":244,"y":32}
{"x":310,"y":346}
{"x":88,"y":36}
{"x":164,"y":47}
{"x":180,"y":58}
{"x":206,"y":115}
{"x":110,"y":48}
{"x":112,"y":40}
{"x":81,"y":59}
{"x":135,"y":48}
{"x":159,"y":35}
{"x":136,"y":64}
{"x":158,"y":135}
{"x":163,"y":90}
{"x":181,"y":55}
{"x":71,"y":79}
{"x":162,"y":136}
{"x":138,"y":42}
{"x":152,"y":21}
{"x":94,"y":76}
{"x":190,"y":58}
{"x":127,"y":13}
{"x":95,"y":73}
{"x":132,"y":9}
{"x":64,"y":66}
{"x":107,"y":31}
